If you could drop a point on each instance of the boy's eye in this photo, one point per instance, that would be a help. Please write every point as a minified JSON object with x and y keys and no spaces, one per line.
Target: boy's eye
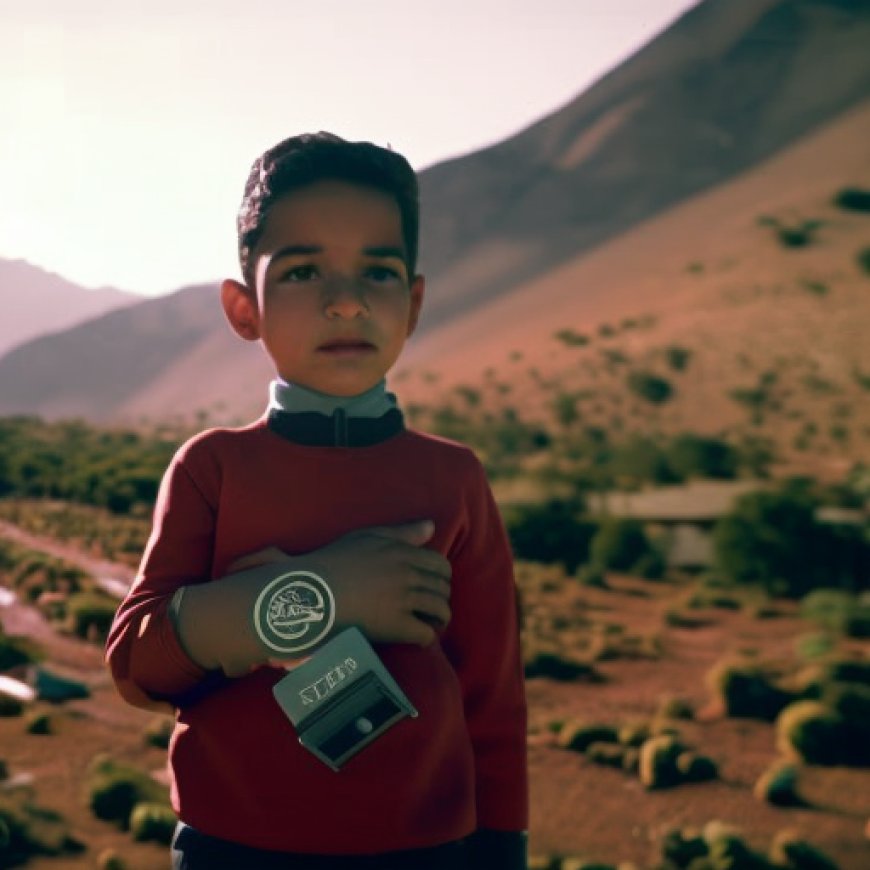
{"x":382,"y":273}
{"x":299,"y":273}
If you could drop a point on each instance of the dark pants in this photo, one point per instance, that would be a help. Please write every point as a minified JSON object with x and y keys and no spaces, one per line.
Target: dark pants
{"x":192,"y":850}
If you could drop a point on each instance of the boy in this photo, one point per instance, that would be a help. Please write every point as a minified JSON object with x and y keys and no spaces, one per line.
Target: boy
{"x":394,"y":532}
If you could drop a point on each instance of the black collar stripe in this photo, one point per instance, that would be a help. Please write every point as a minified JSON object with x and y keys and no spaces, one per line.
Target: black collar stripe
{"x":338,"y":430}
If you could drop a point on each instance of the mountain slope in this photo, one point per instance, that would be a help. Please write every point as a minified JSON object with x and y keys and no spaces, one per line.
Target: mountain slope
{"x":91,"y":370}
{"x":35,"y":302}
{"x":725,"y":87}
{"x":773,"y":335}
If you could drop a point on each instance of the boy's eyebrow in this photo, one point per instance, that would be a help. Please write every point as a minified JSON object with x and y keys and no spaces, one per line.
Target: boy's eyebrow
{"x":303,"y":250}
{"x":385,"y":251}
{"x":296,"y":250}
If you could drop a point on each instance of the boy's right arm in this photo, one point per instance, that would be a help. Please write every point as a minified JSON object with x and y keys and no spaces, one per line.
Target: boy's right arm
{"x":382,"y":579}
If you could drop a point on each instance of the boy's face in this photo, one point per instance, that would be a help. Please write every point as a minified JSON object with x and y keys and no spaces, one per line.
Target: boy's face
{"x":333,"y":302}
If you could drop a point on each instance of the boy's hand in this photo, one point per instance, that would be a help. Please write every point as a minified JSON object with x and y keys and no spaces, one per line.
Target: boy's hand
{"x":384,"y":581}
{"x":381,"y":579}
{"x":387,"y":583}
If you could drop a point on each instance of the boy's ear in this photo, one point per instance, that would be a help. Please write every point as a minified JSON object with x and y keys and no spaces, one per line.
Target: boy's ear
{"x":240,"y":307}
{"x":418,"y":290}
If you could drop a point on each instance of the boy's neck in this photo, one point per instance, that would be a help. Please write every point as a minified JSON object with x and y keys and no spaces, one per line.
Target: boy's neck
{"x":296,"y":399}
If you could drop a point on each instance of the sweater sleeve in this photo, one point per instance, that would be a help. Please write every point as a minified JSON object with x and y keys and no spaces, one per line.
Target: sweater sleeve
{"x":482,"y":643}
{"x":145,"y":658}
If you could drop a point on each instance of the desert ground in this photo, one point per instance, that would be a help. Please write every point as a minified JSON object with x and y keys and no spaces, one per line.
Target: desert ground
{"x":650,"y":663}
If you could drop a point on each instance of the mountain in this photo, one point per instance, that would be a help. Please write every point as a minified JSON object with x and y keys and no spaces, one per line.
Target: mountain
{"x":771,"y":332}
{"x":728,"y":85}
{"x":93,"y":369}
{"x":35,"y":302}
{"x":743,"y":108}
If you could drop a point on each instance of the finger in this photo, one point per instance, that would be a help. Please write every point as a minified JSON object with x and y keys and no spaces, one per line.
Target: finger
{"x":433,"y":607}
{"x":416,"y":631}
{"x":433,"y":585}
{"x":428,"y":561}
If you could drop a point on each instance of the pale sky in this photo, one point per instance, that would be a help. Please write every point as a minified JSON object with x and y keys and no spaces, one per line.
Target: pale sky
{"x":127,"y":127}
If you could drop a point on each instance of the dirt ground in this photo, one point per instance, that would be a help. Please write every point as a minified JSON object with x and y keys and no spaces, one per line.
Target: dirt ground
{"x":578,"y":808}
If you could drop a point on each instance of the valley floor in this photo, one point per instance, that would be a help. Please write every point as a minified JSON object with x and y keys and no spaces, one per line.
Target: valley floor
{"x":578,"y":807}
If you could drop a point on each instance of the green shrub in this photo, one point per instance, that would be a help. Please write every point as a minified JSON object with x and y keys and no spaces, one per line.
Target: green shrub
{"x":797,"y":234}
{"x":853,"y":199}
{"x":27,"y":830}
{"x":619,"y":544}
{"x":824,"y":679}
{"x":746,"y":691}
{"x":550,"y":533}
{"x":812,"y":731}
{"x":571,"y":338}
{"x":558,"y":667}
{"x":778,"y":785}
{"x":773,"y":539}
{"x":584,"y":864}
{"x":564,"y":407}
{"x":817,"y":288}
{"x":641,"y":459}
{"x":838,"y":610}
{"x":39,"y":723}
{"x":650,"y":387}
{"x":631,"y":760}
{"x":650,"y":566}
{"x":10,"y":706}
{"x":848,"y":671}
{"x":691,"y":455}
{"x":693,"y":767}
{"x":814,"y":646}
{"x":109,"y":859}
{"x":91,"y":613}
{"x":676,"y":618}
{"x":607,"y":754}
{"x":681,"y":848}
{"x":153,"y":821}
{"x":113,"y":790}
{"x":678,"y":357}
{"x":579,"y":736}
{"x":658,"y":762}
{"x":633,"y":733}
{"x":863,"y":258}
{"x":593,"y":577}
{"x":730,"y":851}
{"x":17,"y":650}
{"x":789,"y":849}
{"x":675,"y":708}
{"x":850,"y":700}
{"x":159,"y":731}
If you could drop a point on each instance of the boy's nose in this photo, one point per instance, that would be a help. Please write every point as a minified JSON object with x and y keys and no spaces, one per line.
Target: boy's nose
{"x":345,"y":299}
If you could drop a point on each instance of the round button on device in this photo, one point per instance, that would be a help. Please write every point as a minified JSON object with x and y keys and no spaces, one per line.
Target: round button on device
{"x":363,"y":725}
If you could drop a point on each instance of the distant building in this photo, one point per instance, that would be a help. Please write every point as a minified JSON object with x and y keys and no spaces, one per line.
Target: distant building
{"x":682,"y":517}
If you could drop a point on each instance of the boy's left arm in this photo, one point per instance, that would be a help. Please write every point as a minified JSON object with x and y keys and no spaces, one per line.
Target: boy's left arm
{"x":482,"y":643}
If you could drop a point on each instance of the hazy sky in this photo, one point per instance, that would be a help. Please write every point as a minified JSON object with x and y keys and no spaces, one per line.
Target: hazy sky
{"x":127,"y":127}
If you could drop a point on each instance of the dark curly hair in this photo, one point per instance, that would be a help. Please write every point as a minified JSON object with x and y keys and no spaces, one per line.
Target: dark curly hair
{"x":302,"y":160}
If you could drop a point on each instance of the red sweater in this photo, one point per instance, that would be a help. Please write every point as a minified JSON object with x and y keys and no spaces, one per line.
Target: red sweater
{"x":238,"y":771}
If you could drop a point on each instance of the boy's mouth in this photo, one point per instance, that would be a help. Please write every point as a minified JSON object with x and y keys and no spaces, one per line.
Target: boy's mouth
{"x":346,"y":346}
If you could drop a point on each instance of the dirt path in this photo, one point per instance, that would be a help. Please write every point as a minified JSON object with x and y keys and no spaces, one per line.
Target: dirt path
{"x":101,"y":569}
{"x":17,"y":618}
